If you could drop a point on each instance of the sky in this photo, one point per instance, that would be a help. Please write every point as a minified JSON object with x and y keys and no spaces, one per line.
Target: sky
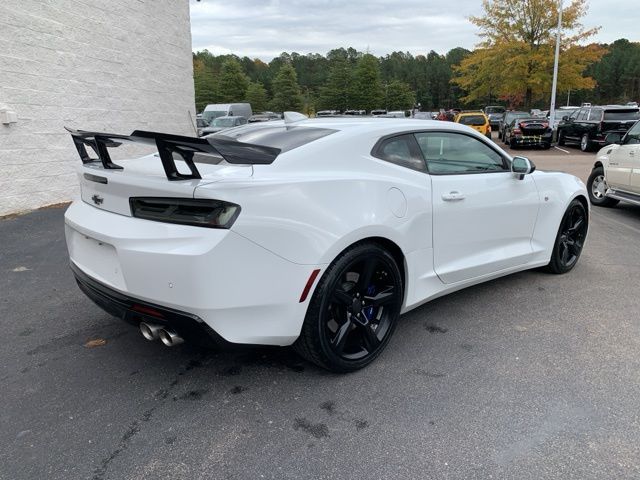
{"x":265,"y":28}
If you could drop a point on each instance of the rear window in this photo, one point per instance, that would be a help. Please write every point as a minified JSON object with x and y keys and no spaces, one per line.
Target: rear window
{"x":510,"y":116}
{"x":621,"y":115}
{"x":494,"y":110}
{"x":475,"y":120}
{"x":283,"y":137}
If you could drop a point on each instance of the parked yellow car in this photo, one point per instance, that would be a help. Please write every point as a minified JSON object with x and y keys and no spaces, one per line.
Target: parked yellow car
{"x":476,"y":120}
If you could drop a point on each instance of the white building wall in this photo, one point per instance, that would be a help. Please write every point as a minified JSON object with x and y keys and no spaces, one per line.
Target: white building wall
{"x":113,"y":66}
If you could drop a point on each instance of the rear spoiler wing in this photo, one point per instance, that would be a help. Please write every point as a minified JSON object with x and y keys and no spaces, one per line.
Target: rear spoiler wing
{"x":167,"y":144}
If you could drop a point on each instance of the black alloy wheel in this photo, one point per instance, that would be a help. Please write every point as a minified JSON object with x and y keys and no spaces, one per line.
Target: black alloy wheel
{"x":570,"y":239}
{"x":353,"y":311}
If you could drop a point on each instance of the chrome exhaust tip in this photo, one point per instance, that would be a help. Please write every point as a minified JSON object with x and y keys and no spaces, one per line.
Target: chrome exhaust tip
{"x":170,"y":338}
{"x":150,"y":331}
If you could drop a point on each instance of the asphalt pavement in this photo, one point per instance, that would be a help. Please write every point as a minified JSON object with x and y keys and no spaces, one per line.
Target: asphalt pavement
{"x":532,"y":376}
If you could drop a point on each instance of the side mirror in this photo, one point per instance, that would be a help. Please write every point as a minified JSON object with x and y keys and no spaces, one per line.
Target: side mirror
{"x":613,"y":137}
{"x":565,"y":118}
{"x":522,"y":166}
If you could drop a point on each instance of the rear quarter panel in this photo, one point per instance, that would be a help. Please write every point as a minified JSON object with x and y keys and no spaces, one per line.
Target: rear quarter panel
{"x":327,"y":199}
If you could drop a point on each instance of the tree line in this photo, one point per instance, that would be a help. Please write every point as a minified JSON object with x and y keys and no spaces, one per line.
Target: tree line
{"x":343,"y":79}
{"x":512,"y":66}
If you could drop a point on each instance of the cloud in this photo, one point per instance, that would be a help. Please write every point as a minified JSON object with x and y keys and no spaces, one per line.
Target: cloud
{"x":265,"y":28}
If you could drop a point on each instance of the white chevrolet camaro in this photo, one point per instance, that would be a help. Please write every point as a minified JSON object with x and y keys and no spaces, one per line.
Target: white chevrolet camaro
{"x":316,"y":233}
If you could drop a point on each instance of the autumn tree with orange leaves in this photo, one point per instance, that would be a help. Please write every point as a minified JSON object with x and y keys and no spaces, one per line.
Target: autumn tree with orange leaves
{"x":514,"y":61}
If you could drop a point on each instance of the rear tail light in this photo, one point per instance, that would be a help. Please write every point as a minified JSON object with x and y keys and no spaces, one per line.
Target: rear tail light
{"x":545,"y":125}
{"x":517,"y":130}
{"x":185,"y":211}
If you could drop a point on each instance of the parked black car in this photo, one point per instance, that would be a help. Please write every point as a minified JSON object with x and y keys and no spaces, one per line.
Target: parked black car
{"x":588,"y":126}
{"x":528,"y":132}
{"x":508,"y":118}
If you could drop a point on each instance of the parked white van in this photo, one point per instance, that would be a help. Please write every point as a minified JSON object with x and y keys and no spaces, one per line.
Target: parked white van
{"x":215,"y":110}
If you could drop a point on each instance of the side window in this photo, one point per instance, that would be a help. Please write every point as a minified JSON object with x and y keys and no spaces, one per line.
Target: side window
{"x":595,"y":115}
{"x":450,"y":153}
{"x":402,"y":151}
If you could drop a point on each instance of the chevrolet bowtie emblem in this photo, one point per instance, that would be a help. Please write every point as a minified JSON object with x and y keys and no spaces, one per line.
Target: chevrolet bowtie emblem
{"x":97,"y":199}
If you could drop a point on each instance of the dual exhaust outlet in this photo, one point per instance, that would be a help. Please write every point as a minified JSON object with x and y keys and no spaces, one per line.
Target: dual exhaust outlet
{"x":167,"y":336}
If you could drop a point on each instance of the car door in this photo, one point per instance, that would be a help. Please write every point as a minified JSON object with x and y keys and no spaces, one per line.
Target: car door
{"x":569,"y":127}
{"x":483,"y":214}
{"x":581,"y":124}
{"x":623,"y":171}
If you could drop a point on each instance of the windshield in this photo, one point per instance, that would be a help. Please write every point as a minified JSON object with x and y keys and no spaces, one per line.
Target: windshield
{"x":633,"y":135}
{"x":209,"y":115}
{"x":622,"y":115}
{"x":475,"y":120}
{"x":494,"y":110}
{"x":224,"y":122}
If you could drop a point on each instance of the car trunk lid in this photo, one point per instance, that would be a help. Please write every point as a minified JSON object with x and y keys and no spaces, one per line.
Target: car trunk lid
{"x":111,"y":189}
{"x":533,"y":127}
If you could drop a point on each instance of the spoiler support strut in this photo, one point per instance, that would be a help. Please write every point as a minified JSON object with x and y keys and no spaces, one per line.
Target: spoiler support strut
{"x":231,"y":151}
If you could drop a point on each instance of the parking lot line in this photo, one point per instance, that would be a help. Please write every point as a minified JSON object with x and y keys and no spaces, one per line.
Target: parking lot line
{"x":561,"y":149}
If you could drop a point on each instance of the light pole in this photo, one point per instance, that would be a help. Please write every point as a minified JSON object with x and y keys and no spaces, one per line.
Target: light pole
{"x":552,"y":109}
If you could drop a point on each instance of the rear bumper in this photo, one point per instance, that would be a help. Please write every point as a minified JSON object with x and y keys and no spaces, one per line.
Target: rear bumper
{"x":532,"y":140}
{"x":132,"y":310}
{"x":241,"y":291}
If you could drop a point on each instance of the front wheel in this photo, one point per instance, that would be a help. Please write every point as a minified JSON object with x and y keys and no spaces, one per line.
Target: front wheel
{"x":353,"y":311}
{"x":570,"y":238}
{"x":597,"y":188}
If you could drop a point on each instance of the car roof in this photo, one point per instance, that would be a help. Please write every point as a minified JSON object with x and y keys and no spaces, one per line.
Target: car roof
{"x":375,"y":125}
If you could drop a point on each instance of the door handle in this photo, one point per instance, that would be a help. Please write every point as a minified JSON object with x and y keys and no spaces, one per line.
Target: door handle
{"x":452,"y":196}
{"x":632,"y":152}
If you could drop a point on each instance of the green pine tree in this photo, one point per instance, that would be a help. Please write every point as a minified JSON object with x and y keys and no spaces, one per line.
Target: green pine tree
{"x":367,"y":89}
{"x":286,"y":92}
{"x":232,"y":82}
{"x":399,"y":96}
{"x":257,"y":96}
{"x":336,"y":94}
{"x":204,"y":85}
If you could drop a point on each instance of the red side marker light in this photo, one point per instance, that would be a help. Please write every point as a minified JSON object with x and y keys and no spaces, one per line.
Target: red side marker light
{"x":307,"y":287}
{"x":147,"y":310}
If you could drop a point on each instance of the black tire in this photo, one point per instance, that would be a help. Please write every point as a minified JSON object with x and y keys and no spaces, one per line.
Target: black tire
{"x":546,"y":146}
{"x":596,"y":189}
{"x":561,"y":140}
{"x":512,"y":144}
{"x":570,"y":239}
{"x":344,"y":330}
{"x":585,"y":143}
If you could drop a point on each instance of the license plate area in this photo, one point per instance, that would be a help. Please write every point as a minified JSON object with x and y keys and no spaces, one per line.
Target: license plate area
{"x":96,"y":258}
